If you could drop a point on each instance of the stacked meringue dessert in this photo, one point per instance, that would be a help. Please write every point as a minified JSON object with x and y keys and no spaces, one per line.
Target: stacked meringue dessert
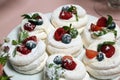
{"x":66,"y":45}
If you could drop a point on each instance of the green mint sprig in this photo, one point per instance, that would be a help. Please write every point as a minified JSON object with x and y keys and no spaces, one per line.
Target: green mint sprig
{"x":103,"y":32}
{"x":5,"y":77}
{"x":3,"y":59}
{"x":22,"y":36}
{"x":73,"y":9}
{"x":109,"y":20}
{"x":72,"y":31}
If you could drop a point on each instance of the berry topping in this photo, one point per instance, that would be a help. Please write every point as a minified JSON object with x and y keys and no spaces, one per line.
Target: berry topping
{"x":111,"y":26}
{"x":66,"y":38}
{"x":94,"y":27}
{"x":91,"y":53}
{"x":23,"y":50}
{"x":65,"y":15}
{"x":33,"y":38}
{"x":58,"y":60}
{"x":29,"y":26}
{"x":109,"y":50}
{"x":66,"y":57}
{"x":59,"y":33}
{"x":30,"y":44}
{"x":102,"y":22}
{"x":100,"y":56}
{"x":68,"y":64}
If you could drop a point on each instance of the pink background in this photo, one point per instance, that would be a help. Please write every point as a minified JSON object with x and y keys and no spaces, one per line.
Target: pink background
{"x":11,"y":11}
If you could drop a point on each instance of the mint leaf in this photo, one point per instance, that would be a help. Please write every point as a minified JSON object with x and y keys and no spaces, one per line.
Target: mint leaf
{"x":3,"y":59}
{"x":22,"y":36}
{"x":14,"y":52}
{"x":15,"y":42}
{"x":34,"y":16}
{"x":110,"y":20}
{"x":5,"y":77}
{"x":26,"y":16}
{"x":50,"y":65}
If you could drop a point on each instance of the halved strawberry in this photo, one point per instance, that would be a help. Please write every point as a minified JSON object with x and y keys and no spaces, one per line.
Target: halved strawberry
{"x":23,"y":50}
{"x":102,"y":22}
{"x":33,"y":38}
{"x":94,"y":27}
{"x":65,"y":15}
{"x":68,"y":63}
{"x":91,"y":53}
{"x":108,"y":50}
{"x":59,"y":33}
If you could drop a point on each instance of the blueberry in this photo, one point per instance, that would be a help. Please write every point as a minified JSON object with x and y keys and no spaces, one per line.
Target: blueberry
{"x":65,"y":8}
{"x":58,"y":60}
{"x":100,"y":56}
{"x":111,"y":26}
{"x":66,"y":38}
{"x":36,"y":22}
{"x":30,"y":44}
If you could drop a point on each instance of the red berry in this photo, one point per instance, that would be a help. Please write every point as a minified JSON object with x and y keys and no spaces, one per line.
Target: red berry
{"x":68,"y":63}
{"x":23,"y":50}
{"x":1,"y":69}
{"x":65,"y":15}
{"x":102,"y":22}
{"x":59,"y":33}
{"x":29,"y":26}
{"x":34,"y":38}
{"x":94,"y":27}
{"x":109,"y":50}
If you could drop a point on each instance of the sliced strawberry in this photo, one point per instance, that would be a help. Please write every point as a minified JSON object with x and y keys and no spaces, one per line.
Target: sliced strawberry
{"x":94,"y":27}
{"x":59,"y":33}
{"x":34,"y":38}
{"x":91,"y":53}
{"x":102,"y":22}
{"x":65,"y":15}
{"x":68,"y":63}
{"x":23,"y":50}
{"x":109,"y":50}
{"x":1,"y":69}
{"x":29,"y":26}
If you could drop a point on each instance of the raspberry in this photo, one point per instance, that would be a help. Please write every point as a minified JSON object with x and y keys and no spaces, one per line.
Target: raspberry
{"x":23,"y":50}
{"x":29,"y":26}
{"x":65,"y":15}
{"x":68,"y":63}
{"x":108,"y":50}
{"x":33,"y":38}
{"x":102,"y":22}
{"x":59,"y":33}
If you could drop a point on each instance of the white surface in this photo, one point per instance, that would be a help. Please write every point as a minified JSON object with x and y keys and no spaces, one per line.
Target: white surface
{"x":39,"y":76}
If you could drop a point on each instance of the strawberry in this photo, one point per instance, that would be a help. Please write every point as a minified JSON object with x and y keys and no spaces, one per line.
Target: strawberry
{"x":91,"y":53}
{"x":33,"y":38}
{"x":23,"y":50}
{"x":1,"y":69}
{"x":94,"y":27}
{"x":29,"y":26}
{"x":68,"y":63}
{"x":108,"y":50}
{"x":102,"y":22}
{"x":65,"y":15}
{"x":59,"y":33}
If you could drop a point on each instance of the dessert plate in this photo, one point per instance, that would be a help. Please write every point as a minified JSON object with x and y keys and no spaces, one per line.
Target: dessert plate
{"x":39,"y":76}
